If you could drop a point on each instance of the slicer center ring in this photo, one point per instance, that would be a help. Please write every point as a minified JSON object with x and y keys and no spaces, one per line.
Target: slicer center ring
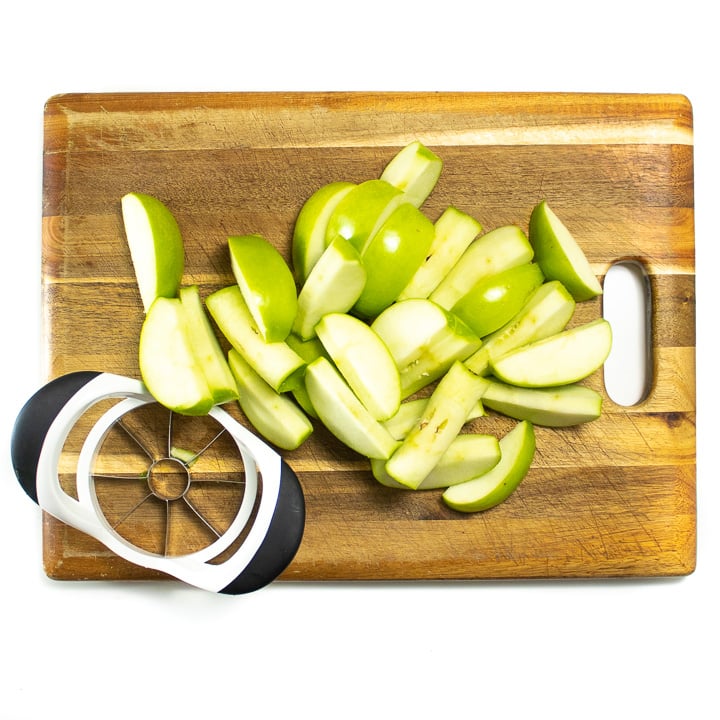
{"x":168,"y":479}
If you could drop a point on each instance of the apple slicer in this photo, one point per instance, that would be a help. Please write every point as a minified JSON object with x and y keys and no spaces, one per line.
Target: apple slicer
{"x":201,"y":499}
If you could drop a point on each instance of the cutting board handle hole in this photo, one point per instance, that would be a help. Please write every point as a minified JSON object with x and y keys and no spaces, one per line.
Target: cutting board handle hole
{"x":627,"y":306}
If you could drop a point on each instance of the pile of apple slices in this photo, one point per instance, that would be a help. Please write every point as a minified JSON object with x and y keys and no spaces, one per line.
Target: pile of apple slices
{"x":392,"y":331}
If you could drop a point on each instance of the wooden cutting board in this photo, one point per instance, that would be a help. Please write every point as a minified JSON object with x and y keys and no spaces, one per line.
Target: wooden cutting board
{"x":615,"y":497}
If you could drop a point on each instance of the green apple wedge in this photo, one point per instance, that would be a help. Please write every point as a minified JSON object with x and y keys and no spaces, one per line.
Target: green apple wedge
{"x":546,"y":312}
{"x":156,"y":246}
{"x":308,"y":239}
{"x":410,"y":412}
{"x":424,"y":340}
{"x":168,"y":364}
{"x":362,"y":212}
{"x":415,"y":170}
{"x":267,"y":285}
{"x":495,"y":300}
{"x":333,"y":285}
{"x":275,"y":416}
{"x":468,"y":455}
{"x":364,"y":361}
{"x":559,"y":255}
{"x":561,"y":359}
{"x":517,"y":450}
{"x":561,"y":406}
{"x":491,"y":253}
{"x":392,"y":256}
{"x":308,"y":350}
{"x":210,"y":355}
{"x":444,"y":415}
{"x":280,"y":366}
{"x":454,"y":231}
{"x":343,"y":414}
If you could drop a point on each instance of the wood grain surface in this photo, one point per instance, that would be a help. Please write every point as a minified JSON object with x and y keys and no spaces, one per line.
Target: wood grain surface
{"x":615,"y":497}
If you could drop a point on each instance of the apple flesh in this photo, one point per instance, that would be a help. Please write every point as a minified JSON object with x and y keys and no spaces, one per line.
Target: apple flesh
{"x":415,"y":170}
{"x":517,"y":450}
{"x":362,"y":212}
{"x":309,"y":231}
{"x":560,"y":359}
{"x":424,"y":340}
{"x":559,"y":255}
{"x":561,"y":406}
{"x":343,"y":414}
{"x":208,"y":352}
{"x":410,"y":412}
{"x":333,"y":285}
{"x":442,"y":419}
{"x":495,"y":300}
{"x":275,"y":362}
{"x":497,"y":250}
{"x":276,"y":417}
{"x":168,"y":364}
{"x":364,"y":361}
{"x":308,"y":350}
{"x":392,"y":256}
{"x":546,"y":312}
{"x":454,"y":231}
{"x":156,"y":246}
{"x":266,"y":283}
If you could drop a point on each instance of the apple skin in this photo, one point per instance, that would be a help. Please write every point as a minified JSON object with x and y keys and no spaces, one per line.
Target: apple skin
{"x":415,"y":170}
{"x":275,"y":416}
{"x":491,"y":253}
{"x":343,"y":414}
{"x":561,"y":359}
{"x":517,"y":450}
{"x":267,"y":285}
{"x":495,"y":300}
{"x":308,"y":241}
{"x":546,"y":312}
{"x":168,"y":364}
{"x":391,"y":258}
{"x":333,"y":285}
{"x":364,"y":361}
{"x":559,"y":255}
{"x":362,"y":212}
{"x":156,"y":246}
{"x":454,"y":231}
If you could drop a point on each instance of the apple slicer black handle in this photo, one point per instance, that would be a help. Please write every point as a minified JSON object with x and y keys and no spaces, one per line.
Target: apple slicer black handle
{"x":281,"y":541}
{"x":34,"y":420}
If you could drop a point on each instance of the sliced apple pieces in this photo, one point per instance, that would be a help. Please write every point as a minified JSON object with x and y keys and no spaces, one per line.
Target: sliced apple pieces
{"x":415,"y":170}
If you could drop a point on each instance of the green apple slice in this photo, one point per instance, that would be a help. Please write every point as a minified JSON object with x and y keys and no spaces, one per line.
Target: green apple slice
{"x":392,"y":256}
{"x":156,"y":246}
{"x":308,"y":350}
{"x":205,"y":345}
{"x":454,"y":231}
{"x":444,"y":415}
{"x":559,"y":255}
{"x":168,"y":364}
{"x":415,"y":170}
{"x":308,"y":240}
{"x":517,"y":450}
{"x":561,"y":406}
{"x":560,"y":359}
{"x":280,"y":366}
{"x":333,"y":285}
{"x":343,"y":414}
{"x":424,"y":340}
{"x":546,"y":312}
{"x":468,"y":455}
{"x":362,"y":212}
{"x":364,"y":362}
{"x":497,"y":250}
{"x":494,"y":301}
{"x":410,"y":412}
{"x":276,"y":417}
{"x":266,"y":283}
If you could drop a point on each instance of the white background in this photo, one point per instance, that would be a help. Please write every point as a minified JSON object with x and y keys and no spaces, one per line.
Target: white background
{"x":504,"y":650}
